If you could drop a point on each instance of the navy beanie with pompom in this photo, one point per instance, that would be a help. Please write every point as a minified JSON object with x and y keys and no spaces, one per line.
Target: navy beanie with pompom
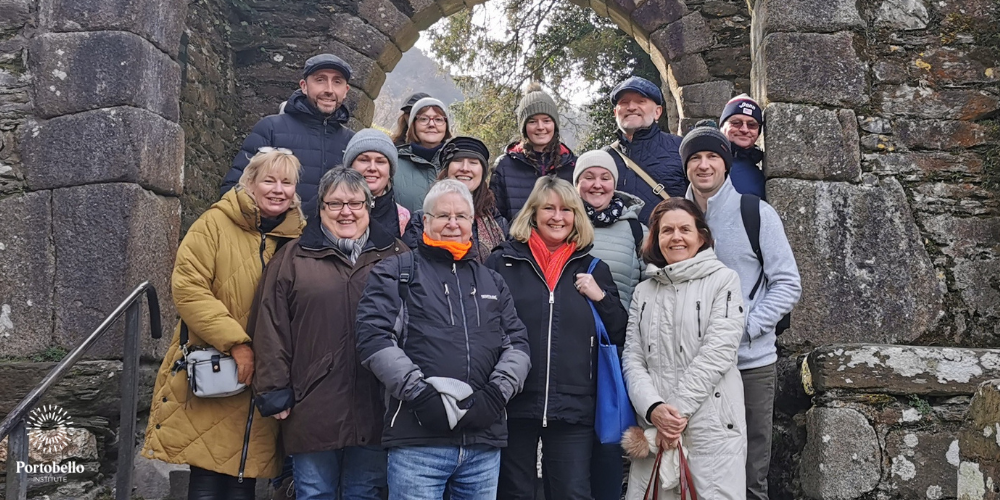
{"x":706,"y":136}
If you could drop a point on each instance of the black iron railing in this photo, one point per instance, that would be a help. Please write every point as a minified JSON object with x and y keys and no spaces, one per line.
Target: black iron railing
{"x":14,"y":428}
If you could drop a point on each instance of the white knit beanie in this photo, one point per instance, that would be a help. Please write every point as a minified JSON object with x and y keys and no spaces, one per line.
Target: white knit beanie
{"x":596,"y":158}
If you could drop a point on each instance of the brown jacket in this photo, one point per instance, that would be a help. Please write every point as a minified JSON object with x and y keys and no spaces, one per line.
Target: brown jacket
{"x":305,"y":346}
{"x":217,"y":269}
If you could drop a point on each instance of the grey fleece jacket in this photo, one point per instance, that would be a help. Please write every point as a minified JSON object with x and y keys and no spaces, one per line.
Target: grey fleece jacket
{"x":781,"y":288}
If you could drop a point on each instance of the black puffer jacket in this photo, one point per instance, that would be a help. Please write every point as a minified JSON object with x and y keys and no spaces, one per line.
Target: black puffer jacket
{"x":658,"y":153}
{"x":561,"y":385}
{"x":317,"y":140}
{"x":459,"y":323}
{"x":515,"y":176}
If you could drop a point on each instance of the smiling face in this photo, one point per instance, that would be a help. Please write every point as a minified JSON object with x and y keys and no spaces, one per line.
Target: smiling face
{"x":273,"y":193}
{"x":679,"y":237}
{"x":634,"y":111}
{"x":540,"y":129}
{"x":707,"y":172}
{"x":326,"y":89}
{"x":554,"y":220}
{"x":429,"y":127}
{"x":345,"y":222}
{"x":468,"y":171}
{"x":450,"y":219}
{"x":741,"y":130}
{"x":596,"y":186}
{"x":375,"y":169}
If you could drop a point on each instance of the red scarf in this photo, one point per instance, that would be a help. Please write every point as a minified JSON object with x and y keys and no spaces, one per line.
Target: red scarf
{"x":458,"y":250}
{"x":552,"y":263}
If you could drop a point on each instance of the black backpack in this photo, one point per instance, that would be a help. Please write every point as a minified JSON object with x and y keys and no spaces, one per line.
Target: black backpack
{"x":750,"y":211}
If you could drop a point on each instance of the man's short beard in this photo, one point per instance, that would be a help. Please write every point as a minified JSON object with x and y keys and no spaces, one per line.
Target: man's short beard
{"x":634,"y":130}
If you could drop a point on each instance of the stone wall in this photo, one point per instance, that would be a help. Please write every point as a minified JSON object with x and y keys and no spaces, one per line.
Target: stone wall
{"x":887,"y":420}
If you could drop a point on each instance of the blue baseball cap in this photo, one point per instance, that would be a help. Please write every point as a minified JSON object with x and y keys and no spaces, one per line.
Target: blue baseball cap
{"x":640,"y":85}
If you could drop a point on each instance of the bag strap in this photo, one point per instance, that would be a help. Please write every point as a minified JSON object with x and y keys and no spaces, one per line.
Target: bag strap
{"x":688,"y":491}
{"x":602,"y":332}
{"x":658,"y":189}
{"x":637,"y":235}
{"x":750,"y":212}
{"x":406,"y":269}
{"x":184,"y":334}
{"x":653,"y":486}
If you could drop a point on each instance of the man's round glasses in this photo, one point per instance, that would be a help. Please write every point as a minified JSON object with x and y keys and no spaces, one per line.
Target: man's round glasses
{"x":738,"y":124}
{"x":460,"y":218}
{"x":424,"y":120}
{"x":336,"y":206}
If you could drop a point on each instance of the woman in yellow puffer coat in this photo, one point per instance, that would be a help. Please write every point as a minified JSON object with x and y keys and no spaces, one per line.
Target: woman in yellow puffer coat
{"x":218,"y":265}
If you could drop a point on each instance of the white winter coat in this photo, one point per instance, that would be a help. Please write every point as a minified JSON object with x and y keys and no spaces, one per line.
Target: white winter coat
{"x":685,"y":325}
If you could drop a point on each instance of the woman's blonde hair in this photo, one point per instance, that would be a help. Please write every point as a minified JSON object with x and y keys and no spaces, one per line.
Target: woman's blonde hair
{"x":583,"y":231}
{"x":278,"y":162}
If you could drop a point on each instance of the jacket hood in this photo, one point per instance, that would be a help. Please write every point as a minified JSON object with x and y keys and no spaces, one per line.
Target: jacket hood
{"x":633,"y":205}
{"x":699,"y":266}
{"x":299,"y":105}
{"x":243,"y":211}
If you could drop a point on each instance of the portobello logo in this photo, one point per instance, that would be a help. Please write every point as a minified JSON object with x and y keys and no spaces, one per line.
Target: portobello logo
{"x":47,"y":428}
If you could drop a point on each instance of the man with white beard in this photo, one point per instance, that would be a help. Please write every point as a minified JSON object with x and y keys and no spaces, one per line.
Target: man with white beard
{"x":647,"y":158}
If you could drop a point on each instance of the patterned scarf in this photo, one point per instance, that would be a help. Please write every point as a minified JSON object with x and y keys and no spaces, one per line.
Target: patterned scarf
{"x":490,"y":234}
{"x":351,"y":248}
{"x":551,"y":263}
{"x":609,"y":215}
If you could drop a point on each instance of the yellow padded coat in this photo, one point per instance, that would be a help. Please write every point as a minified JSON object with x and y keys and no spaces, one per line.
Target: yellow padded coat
{"x":218,"y":265}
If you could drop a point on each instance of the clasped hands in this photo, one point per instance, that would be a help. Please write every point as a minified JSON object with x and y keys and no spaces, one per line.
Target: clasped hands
{"x":669,"y":424}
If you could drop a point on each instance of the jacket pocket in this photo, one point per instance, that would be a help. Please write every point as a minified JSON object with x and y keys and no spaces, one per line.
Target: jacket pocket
{"x":725,"y":411}
{"x":314,"y":374}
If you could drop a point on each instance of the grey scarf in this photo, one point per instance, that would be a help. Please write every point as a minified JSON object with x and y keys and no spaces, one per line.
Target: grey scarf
{"x":351,"y":248}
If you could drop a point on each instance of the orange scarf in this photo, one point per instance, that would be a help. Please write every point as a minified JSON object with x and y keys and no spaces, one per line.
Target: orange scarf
{"x":458,"y":250}
{"x":551,"y":263}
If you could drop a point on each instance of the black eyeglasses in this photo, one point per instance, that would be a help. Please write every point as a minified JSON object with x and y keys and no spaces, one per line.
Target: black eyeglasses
{"x":336,"y":206}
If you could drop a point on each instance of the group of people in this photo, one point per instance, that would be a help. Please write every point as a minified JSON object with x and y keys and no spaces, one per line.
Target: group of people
{"x":411,"y":322}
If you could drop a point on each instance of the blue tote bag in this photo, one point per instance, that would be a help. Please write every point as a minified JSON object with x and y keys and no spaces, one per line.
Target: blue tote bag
{"x":614,"y":410}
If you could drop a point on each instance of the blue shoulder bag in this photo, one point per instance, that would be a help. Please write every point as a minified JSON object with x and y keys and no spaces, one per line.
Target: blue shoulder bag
{"x":614,"y":410}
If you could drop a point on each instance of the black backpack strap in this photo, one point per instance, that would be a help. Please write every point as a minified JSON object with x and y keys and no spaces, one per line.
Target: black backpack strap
{"x":750,"y":211}
{"x":406,"y":269}
{"x":636,"y":228}
{"x":184,"y":333}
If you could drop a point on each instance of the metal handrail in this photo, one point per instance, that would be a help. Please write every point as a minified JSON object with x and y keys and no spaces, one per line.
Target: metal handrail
{"x":13,"y":426}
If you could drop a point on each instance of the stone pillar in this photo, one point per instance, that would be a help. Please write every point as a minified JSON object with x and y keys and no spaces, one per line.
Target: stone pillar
{"x":98,"y":162}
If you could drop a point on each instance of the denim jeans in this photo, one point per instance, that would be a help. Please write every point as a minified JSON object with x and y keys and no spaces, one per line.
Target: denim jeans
{"x":427,"y":472}
{"x":352,"y":473}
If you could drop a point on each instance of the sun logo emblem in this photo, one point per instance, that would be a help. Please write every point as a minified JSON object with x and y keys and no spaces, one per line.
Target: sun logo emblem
{"x":47,"y":428}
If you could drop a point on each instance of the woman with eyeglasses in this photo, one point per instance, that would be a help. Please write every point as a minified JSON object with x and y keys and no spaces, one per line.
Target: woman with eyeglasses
{"x":372,"y":154}
{"x":547,"y":266}
{"x":308,"y":374}
{"x":218,"y":266}
{"x":465,"y":159}
{"x":419,"y":158}
{"x":540,"y":152}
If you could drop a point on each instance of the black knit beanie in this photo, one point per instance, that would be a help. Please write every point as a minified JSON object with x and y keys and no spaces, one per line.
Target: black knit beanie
{"x":705,"y":136}
{"x":465,"y":147}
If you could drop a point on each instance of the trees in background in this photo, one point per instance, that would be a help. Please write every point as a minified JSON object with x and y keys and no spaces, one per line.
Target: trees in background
{"x":569,"y":49}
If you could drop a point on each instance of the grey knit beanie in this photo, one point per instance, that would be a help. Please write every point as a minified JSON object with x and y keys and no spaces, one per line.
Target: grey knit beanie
{"x":371,"y":139}
{"x":425,"y":102}
{"x":705,"y":136}
{"x":596,"y":158}
{"x":536,"y":101}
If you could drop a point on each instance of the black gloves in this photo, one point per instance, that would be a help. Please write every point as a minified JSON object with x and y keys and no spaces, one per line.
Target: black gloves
{"x":484,"y":407}
{"x":429,"y":410}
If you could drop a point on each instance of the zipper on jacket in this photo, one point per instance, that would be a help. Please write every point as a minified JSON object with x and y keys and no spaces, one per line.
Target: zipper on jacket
{"x":465,"y":328}
{"x":479,"y":320}
{"x":393,"y":421}
{"x":592,"y":357}
{"x":548,"y":362}
{"x":697,"y":306}
{"x":447,"y":297}
{"x":729,"y":296}
{"x":649,"y":347}
{"x":322,"y":163}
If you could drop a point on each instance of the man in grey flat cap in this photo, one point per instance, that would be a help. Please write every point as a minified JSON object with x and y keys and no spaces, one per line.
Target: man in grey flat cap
{"x":313,"y":127}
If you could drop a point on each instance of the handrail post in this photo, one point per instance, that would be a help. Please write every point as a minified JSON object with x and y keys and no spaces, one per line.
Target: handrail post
{"x":17,"y":451}
{"x":130,"y":399}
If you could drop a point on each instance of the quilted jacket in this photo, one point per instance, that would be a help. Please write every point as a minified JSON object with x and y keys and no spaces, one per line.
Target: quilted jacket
{"x":685,"y":324}
{"x":615,"y":245}
{"x":657,"y":152}
{"x":218,"y":265}
{"x":515,"y":177}
{"x":414,"y":176}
